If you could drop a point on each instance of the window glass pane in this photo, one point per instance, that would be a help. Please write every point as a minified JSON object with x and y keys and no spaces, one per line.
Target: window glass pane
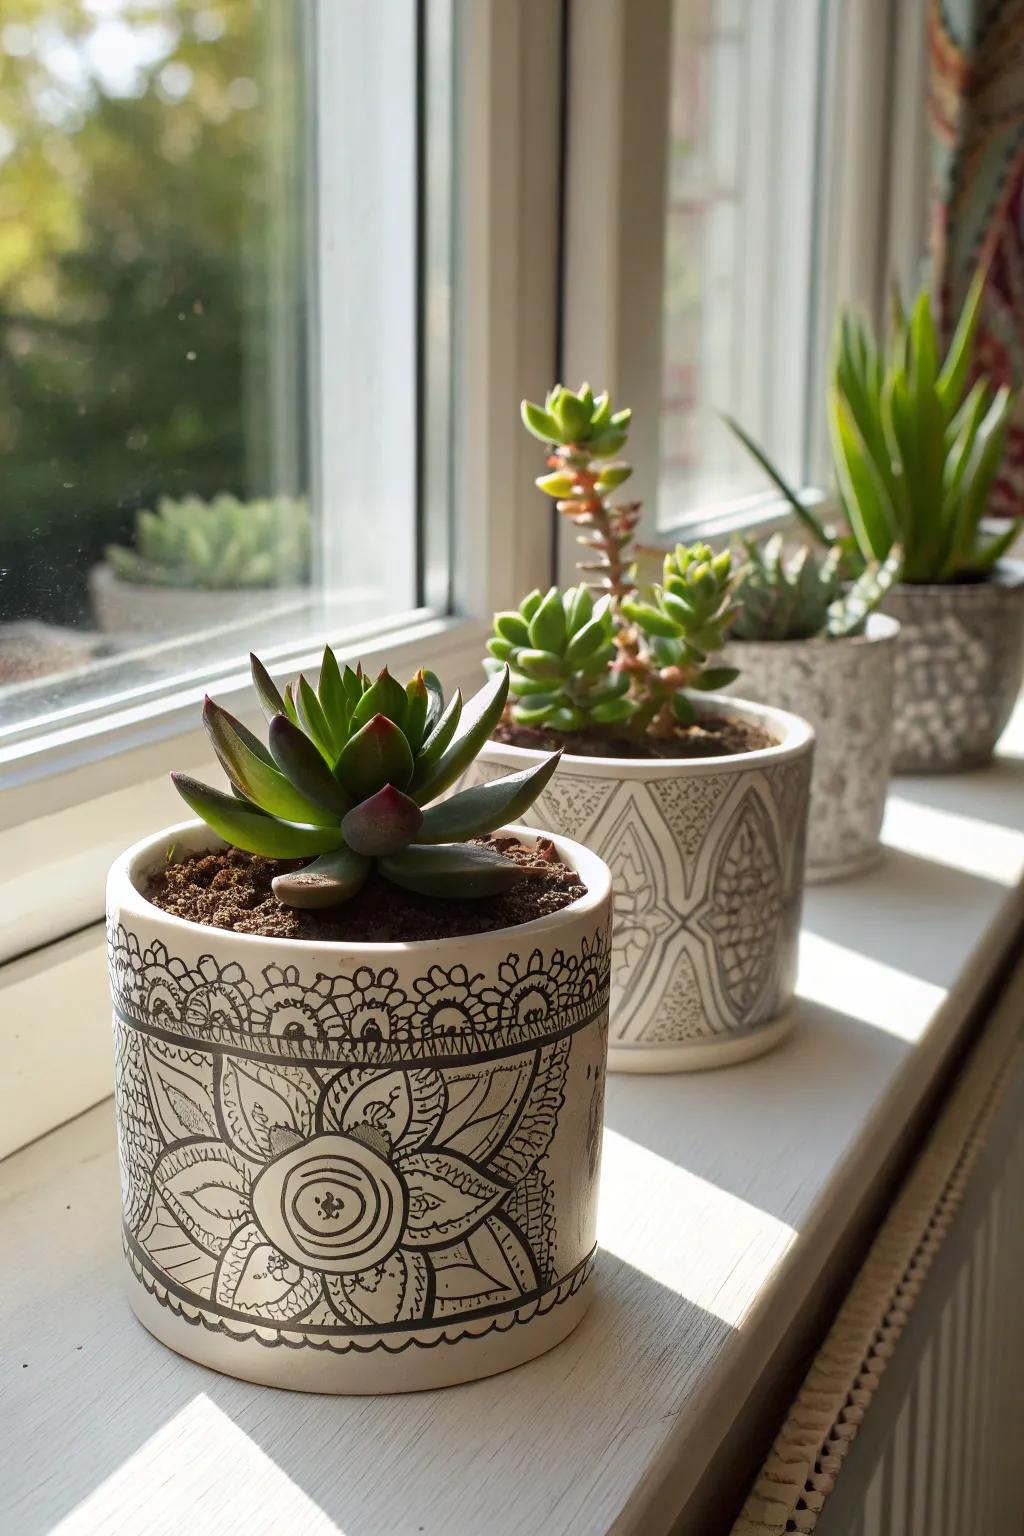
{"x":209,"y":324}
{"x":739,"y":246}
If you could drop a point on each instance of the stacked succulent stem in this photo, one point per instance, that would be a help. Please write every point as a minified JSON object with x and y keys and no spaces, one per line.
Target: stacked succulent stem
{"x":619,"y":666}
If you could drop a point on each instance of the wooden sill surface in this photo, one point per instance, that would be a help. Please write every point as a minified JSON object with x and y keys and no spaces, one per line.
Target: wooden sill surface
{"x":724,"y":1197}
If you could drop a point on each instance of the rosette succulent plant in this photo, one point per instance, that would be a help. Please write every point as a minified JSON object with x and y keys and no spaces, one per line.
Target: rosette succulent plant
{"x":602,"y":656}
{"x":916,"y":450}
{"x":223,"y":544}
{"x":350,"y":779}
{"x":804,"y":595}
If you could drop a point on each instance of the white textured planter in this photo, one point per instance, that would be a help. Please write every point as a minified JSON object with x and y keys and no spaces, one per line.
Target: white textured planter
{"x":129,"y":608}
{"x":358,"y":1168}
{"x":959,"y":665}
{"x":707,"y":857}
{"x":844,"y":689}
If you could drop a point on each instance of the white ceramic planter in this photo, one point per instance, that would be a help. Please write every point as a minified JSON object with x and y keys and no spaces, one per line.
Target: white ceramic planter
{"x":959,"y":665}
{"x":707,"y":857}
{"x":358,"y":1168}
{"x":128,"y":608}
{"x":844,"y":689}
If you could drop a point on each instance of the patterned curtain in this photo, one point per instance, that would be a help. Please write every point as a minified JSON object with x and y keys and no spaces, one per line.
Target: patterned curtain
{"x":976,"y":107}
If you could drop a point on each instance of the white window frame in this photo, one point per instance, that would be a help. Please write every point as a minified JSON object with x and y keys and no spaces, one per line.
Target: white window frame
{"x":70,"y":802}
{"x":872,"y":213}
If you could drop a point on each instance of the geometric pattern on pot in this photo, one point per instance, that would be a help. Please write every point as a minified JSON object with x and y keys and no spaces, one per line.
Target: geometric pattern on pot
{"x":958,"y":669}
{"x":349,"y":1206}
{"x":364,"y":1014}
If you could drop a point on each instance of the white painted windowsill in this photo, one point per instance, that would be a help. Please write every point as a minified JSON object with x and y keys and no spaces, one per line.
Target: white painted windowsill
{"x":725,"y":1196}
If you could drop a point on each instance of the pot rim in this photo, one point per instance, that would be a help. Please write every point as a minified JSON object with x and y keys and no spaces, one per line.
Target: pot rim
{"x":796,"y":737}
{"x":880,"y":627}
{"x":124,"y":895}
{"x":1005,"y":575}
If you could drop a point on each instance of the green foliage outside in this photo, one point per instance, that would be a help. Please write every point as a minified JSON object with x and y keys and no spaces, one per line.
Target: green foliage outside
{"x":138,"y":209}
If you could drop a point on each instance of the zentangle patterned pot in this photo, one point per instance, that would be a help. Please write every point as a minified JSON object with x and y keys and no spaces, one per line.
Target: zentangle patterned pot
{"x":844,"y":689}
{"x":707,"y":858}
{"x":358,"y":1168}
{"x":959,"y":665}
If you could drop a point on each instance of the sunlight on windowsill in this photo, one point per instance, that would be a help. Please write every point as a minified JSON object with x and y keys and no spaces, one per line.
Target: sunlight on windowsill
{"x":853,"y":984}
{"x":976,"y":845}
{"x":712,"y":1232}
{"x":177,"y":1478}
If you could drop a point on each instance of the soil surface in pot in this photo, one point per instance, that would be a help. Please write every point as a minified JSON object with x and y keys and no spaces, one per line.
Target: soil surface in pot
{"x":714,"y":736}
{"x":231,"y":889}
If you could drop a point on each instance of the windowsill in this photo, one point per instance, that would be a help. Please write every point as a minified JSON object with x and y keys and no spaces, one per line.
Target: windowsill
{"x":725,"y":1198}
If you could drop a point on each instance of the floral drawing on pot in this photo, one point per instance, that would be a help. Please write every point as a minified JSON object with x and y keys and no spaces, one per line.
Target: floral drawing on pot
{"x":355,"y":1164}
{"x":697,"y":802}
{"x":199,"y":562}
{"x":808,"y":639}
{"x":917,"y":449}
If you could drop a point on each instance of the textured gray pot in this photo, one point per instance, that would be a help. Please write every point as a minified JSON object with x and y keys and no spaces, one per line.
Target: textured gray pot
{"x":844,"y":689}
{"x":959,"y":665}
{"x":707,"y":860}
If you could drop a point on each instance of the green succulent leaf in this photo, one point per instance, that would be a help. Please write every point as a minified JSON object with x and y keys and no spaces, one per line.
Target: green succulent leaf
{"x":512,"y":628}
{"x":485,"y":807}
{"x":417,"y":704}
{"x":333,"y":700}
{"x":304,"y":767}
{"x":546,"y":630}
{"x":386,"y":697}
{"x":434,"y":747}
{"x":540,"y":665}
{"x":714,"y":677}
{"x":539,"y":421}
{"x":452,"y":870}
{"x":653,"y":621}
{"x":331,"y":879}
{"x":383,"y":824}
{"x":478,"y":719}
{"x":247,"y":827}
{"x":251,"y":770}
{"x":311,"y":717}
{"x":435,"y":696}
{"x":376,"y":755}
{"x":270,"y":699}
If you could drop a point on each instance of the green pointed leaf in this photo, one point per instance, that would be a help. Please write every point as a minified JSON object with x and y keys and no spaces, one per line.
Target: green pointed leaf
{"x":290,"y":706}
{"x":386,"y":697}
{"x":478,"y":719}
{"x":384,"y":823}
{"x":607,"y":444}
{"x":270,"y":699}
{"x":333,"y":700}
{"x":651,"y":620}
{"x":806,"y":516}
{"x":540,"y":422}
{"x":485,"y":807}
{"x":601,"y":412}
{"x":327,"y":882}
{"x":435,"y":695}
{"x":376,"y":755}
{"x":311,"y":717}
{"x":247,"y":827}
{"x":302,"y":764}
{"x":417,"y":702}
{"x":714,"y":677}
{"x":452,"y":870}
{"x":433,"y":748}
{"x":255,"y":774}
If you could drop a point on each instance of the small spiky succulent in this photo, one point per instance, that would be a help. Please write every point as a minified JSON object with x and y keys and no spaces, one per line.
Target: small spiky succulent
{"x":804,"y":595}
{"x":621,"y":664}
{"x":348,"y":782}
{"x":223,"y":544}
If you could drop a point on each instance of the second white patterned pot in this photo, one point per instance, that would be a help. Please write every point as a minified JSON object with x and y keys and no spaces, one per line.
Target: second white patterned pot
{"x":959,"y":666}
{"x":130,"y":608}
{"x":707,"y":859}
{"x":358,"y":1168}
{"x":844,"y":689}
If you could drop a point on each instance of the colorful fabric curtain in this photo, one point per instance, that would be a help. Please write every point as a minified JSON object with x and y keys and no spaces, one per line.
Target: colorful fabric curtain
{"x":976,"y":106}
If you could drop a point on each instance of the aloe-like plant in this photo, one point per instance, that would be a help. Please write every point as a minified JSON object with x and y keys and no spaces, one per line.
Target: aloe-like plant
{"x":804,"y":595}
{"x":602,"y":656}
{"x":222,"y":544}
{"x":350,"y":779}
{"x":916,"y":451}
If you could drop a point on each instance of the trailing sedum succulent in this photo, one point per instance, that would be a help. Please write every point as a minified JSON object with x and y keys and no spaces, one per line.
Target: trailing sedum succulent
{"x":917,"y":452}
{"x":349,"y":778}
{"x":620,"y":664}
{"x":222,"y":544}
{"x":804,"y":596}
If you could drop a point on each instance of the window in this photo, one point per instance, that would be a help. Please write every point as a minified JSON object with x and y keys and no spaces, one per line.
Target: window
{"x":211,"y":337}
{"x":741,"y":255}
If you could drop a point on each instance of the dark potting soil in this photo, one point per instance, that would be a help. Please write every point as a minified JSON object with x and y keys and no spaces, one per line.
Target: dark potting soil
{"x":231,"y":889}
{"x":714,"y":736}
